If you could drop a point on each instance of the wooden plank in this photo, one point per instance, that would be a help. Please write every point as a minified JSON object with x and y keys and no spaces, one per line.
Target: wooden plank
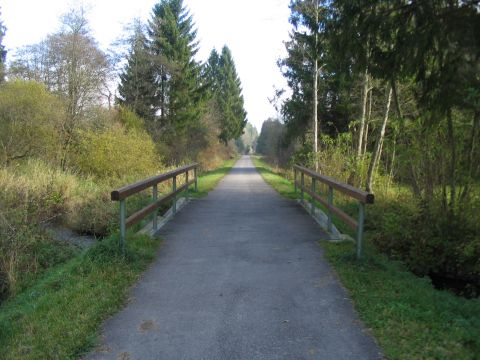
{"x":141,"y":214}
{"x":363,"y":196}
{"x":342,"y":215}
{"x":131,"y":189}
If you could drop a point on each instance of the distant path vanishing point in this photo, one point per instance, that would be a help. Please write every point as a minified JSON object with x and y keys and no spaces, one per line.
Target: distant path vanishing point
{"x":240,"y":276}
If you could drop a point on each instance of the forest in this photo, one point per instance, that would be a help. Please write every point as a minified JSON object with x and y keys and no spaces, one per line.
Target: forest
{"x":68,"y":136}
{"x":385,"y":96}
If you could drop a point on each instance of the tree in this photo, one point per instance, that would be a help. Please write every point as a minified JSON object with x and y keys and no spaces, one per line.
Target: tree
{"x":270,"y":139}
{"x":137,"y":81}
{"x":230,"y":99}
{"x":3,"y":52}
{"x":178,"y":96}
{"x":30,"y":122}
{"x":225,"y":90}
{"x":71,"y":65}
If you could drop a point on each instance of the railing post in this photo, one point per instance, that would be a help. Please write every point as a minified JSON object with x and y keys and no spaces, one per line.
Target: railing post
{"x":312,"y":201}
{"x":155,"y":213}
{"x":174,"y":207}
{"x":195,"y":177}
{"x":186,"y":182}
{"x":122,"y":225}
{"x":361,"y":219}
{"x":295,"y":179}
{"x":302,"y":184}
{"x":330,"y":202}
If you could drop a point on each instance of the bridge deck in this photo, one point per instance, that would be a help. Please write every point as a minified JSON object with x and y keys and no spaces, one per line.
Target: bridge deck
{"x":240,"y":277}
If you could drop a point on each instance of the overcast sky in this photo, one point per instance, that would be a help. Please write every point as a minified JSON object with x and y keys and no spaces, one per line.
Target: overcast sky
{"x":254,"y":30}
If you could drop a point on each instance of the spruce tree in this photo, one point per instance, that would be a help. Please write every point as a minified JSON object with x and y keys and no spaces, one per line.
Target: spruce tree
{"x":137,"y":88}
{"x":173,"y":45}
{"x":230,"y":99}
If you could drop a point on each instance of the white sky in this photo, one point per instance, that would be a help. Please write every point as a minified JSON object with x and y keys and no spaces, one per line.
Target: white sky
{"x":254,"y":30}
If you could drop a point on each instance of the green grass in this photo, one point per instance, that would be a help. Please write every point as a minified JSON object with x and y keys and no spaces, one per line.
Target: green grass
{"x":408,"y":317}
{"x":59,"y":316}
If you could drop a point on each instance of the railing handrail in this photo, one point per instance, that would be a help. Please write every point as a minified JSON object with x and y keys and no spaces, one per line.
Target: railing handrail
{"x":363,"y":196}
{"x":131,"y":189}
{"x":124,"y":192}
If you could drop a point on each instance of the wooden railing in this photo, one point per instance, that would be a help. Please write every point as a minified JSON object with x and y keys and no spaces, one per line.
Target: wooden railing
{"x":123,"y":193}
{"x":360,"y":195}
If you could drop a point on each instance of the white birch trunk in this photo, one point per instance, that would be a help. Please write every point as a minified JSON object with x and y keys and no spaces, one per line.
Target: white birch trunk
{"x":378,"y":145}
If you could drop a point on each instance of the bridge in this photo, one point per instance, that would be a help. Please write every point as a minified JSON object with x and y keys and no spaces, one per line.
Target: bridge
{"x":240,"y":276}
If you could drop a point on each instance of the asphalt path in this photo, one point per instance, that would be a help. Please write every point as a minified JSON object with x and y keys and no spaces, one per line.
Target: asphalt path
{"x":240,"y":276}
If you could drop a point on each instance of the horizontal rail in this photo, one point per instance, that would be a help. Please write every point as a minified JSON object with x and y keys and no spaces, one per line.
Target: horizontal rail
{"x":132,"y":189}
{"x":139,"y":215}
{"x":341,"y":214}
{"x":363,"y":196}
{"x":123,"y":193}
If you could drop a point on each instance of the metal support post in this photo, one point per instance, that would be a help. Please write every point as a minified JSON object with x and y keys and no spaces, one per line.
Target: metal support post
{"x":122,"y":225}
{"x":361,"y":219}
{"x":312,"y":201}
{"x":195,"y":177}
{"x":295,"y":179}
{"x":302,"y":184}
{"x":155,"y":213}
{"x":186,"y":182}
{"x":174,"y":207}
{"x":330,"y":202}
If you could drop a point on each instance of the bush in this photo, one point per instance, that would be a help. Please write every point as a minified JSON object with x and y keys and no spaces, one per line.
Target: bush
{"x":116,"y":153}
{"x":30,"y":122}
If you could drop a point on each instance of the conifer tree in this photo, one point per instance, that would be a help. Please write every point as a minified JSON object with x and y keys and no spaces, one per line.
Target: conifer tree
{"x":173,"y":45}
{"x":137,"y":88}
{"x":234,"y":116}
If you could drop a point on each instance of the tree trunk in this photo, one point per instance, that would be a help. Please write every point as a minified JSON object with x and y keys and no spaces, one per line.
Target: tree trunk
{"x":453,"y":159}
{"x":315,"y":94}
{"x":367,"y":122}
{"x":471,"y":154}
{"x":378,"y":144}
{"x":364,"y":115}
{"x":315,"y":113}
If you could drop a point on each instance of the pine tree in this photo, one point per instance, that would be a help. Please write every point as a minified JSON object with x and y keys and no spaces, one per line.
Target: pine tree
{"x":231,"y":103}
{"x":137,"y":88}
{"x":173,"y":45}
{"x":3,"y":52}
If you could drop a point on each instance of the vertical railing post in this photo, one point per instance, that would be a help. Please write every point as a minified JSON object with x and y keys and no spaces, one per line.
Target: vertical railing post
{"x":312,"y":201}
{"x":186,"y":182}
{"x":122,"y":225}
{"x":295,"y":179}
{"x":174,"y":207}
{"x":302,"y":184}
{"x":330,"y":202}
{"x":361,"y":219}
{"x":195,"y":177}
{"x":155,"y":213}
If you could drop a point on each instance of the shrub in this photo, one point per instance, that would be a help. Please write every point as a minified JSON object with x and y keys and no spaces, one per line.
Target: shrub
{"x":30,"y":121}
{"x":116,"y":153}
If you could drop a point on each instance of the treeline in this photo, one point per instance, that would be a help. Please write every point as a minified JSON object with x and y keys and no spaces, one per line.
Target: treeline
{"x":385,"y":95}
{"x":68,"y":135}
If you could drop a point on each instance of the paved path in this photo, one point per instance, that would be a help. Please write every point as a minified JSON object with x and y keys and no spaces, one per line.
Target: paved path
{"x":240,"y":277}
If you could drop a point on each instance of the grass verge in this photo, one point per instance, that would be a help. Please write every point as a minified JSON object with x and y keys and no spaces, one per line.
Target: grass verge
{"x":58,"y":317}
{"x":409,"y":318}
